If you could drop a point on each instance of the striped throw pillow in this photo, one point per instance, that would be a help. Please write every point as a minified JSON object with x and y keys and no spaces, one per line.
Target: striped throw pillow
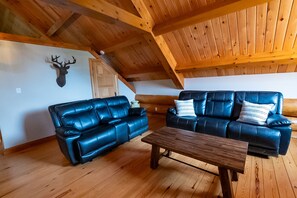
{"x":254,"y":113}
{"x":185,"y":107}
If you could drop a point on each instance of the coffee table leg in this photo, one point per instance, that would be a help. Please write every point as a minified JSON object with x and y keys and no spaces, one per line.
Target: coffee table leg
{"x":226,"y":183}
{"x":167,"y":153}
{"x":155,"y":154}
{"x":234,"y":176}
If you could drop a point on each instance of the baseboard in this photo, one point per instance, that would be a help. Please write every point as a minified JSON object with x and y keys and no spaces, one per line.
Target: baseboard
{"x":28,"y":145}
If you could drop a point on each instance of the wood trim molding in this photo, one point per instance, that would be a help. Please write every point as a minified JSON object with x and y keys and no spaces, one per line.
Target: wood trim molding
{"x":205,"y":13}
{"x":36,"y":41}
{"x":28,"y":145}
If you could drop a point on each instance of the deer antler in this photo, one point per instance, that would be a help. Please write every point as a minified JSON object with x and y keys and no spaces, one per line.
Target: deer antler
{"x":69,"y":63}
{"x":56,"y":62}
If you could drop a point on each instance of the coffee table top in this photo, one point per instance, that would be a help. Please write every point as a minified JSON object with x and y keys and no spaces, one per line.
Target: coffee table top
{"x":223,"y":152}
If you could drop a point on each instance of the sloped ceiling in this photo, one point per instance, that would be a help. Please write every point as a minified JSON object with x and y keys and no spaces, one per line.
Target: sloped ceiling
{"x":161,"y":39}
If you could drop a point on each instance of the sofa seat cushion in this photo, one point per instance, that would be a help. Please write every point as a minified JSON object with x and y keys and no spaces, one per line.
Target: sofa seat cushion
{"x":260,"y":136}
{"x":186,"y":123}
{"x":212,"y":126}
{"x":135,"y":122}
{"x":95,"y":139}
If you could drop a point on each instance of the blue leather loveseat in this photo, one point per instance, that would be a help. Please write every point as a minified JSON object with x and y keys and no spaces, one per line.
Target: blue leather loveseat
{"x":217,"y":112}
{"x":87,"y":128}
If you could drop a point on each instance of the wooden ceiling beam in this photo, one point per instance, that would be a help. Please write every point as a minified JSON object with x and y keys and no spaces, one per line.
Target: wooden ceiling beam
{"x":205,"y":13}
{"x":104,"y":11}
{"x":160,"y":47}
{"x":60,"y":23}
{"x":272,"y":57}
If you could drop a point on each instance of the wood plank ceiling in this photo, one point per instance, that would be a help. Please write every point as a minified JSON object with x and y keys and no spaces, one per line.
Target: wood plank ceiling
{"x":161,"y":39}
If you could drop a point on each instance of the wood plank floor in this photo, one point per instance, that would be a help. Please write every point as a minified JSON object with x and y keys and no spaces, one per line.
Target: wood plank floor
{"x":42,"y":171}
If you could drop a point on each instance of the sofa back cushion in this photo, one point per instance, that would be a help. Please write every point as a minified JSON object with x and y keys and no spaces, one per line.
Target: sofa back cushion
{"x":54,"y":114}
{"x":80,"y":115}
{"x":258,"y":97}
{"x":219,"y":104}
{"x":101,"y":108}
{"x":118,"y":106}
{"x":199,"y":100}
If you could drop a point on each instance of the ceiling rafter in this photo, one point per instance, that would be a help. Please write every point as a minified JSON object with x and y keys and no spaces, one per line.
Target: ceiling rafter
{"x":160,"y":47}
{"x":204,"y":14}
{"x":71,"y":16}
{"x":103,"y":11}
{"x":271,"y":57}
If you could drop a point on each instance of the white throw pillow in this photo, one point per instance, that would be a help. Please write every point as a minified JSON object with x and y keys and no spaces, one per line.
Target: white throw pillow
{"x":185,"y":107}
{"x":254,"y":113}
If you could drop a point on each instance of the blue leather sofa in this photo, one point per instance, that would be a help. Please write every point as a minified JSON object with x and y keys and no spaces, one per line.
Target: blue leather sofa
{"x":87,"y":128}
{"x":217,"y":112}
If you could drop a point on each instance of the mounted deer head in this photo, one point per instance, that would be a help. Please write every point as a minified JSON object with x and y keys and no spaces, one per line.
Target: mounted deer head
{"x":62,"y":68}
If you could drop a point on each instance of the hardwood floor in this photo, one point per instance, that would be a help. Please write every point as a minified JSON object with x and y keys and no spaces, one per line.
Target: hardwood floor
{"x":42,"y":171}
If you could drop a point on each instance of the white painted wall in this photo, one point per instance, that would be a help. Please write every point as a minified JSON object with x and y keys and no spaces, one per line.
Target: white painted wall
{"x":126,"y":91}
{"x":24,"y":117}
{"x":282,"y":82}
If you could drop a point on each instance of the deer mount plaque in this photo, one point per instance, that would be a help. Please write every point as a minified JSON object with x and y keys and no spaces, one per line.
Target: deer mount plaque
{"x":62,"y":68}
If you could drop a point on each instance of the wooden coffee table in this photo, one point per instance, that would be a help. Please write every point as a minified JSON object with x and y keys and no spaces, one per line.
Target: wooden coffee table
{"x":228,"y":154}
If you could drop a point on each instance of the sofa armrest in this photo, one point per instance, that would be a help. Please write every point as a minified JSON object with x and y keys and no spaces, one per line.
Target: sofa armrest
{"x":286,"y":132}
{"x":67,"y":131}
{"x":139,"y":111}
{"x":277,"y":120}
{"x":110,"y":121}
{"x":172,"y":110}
